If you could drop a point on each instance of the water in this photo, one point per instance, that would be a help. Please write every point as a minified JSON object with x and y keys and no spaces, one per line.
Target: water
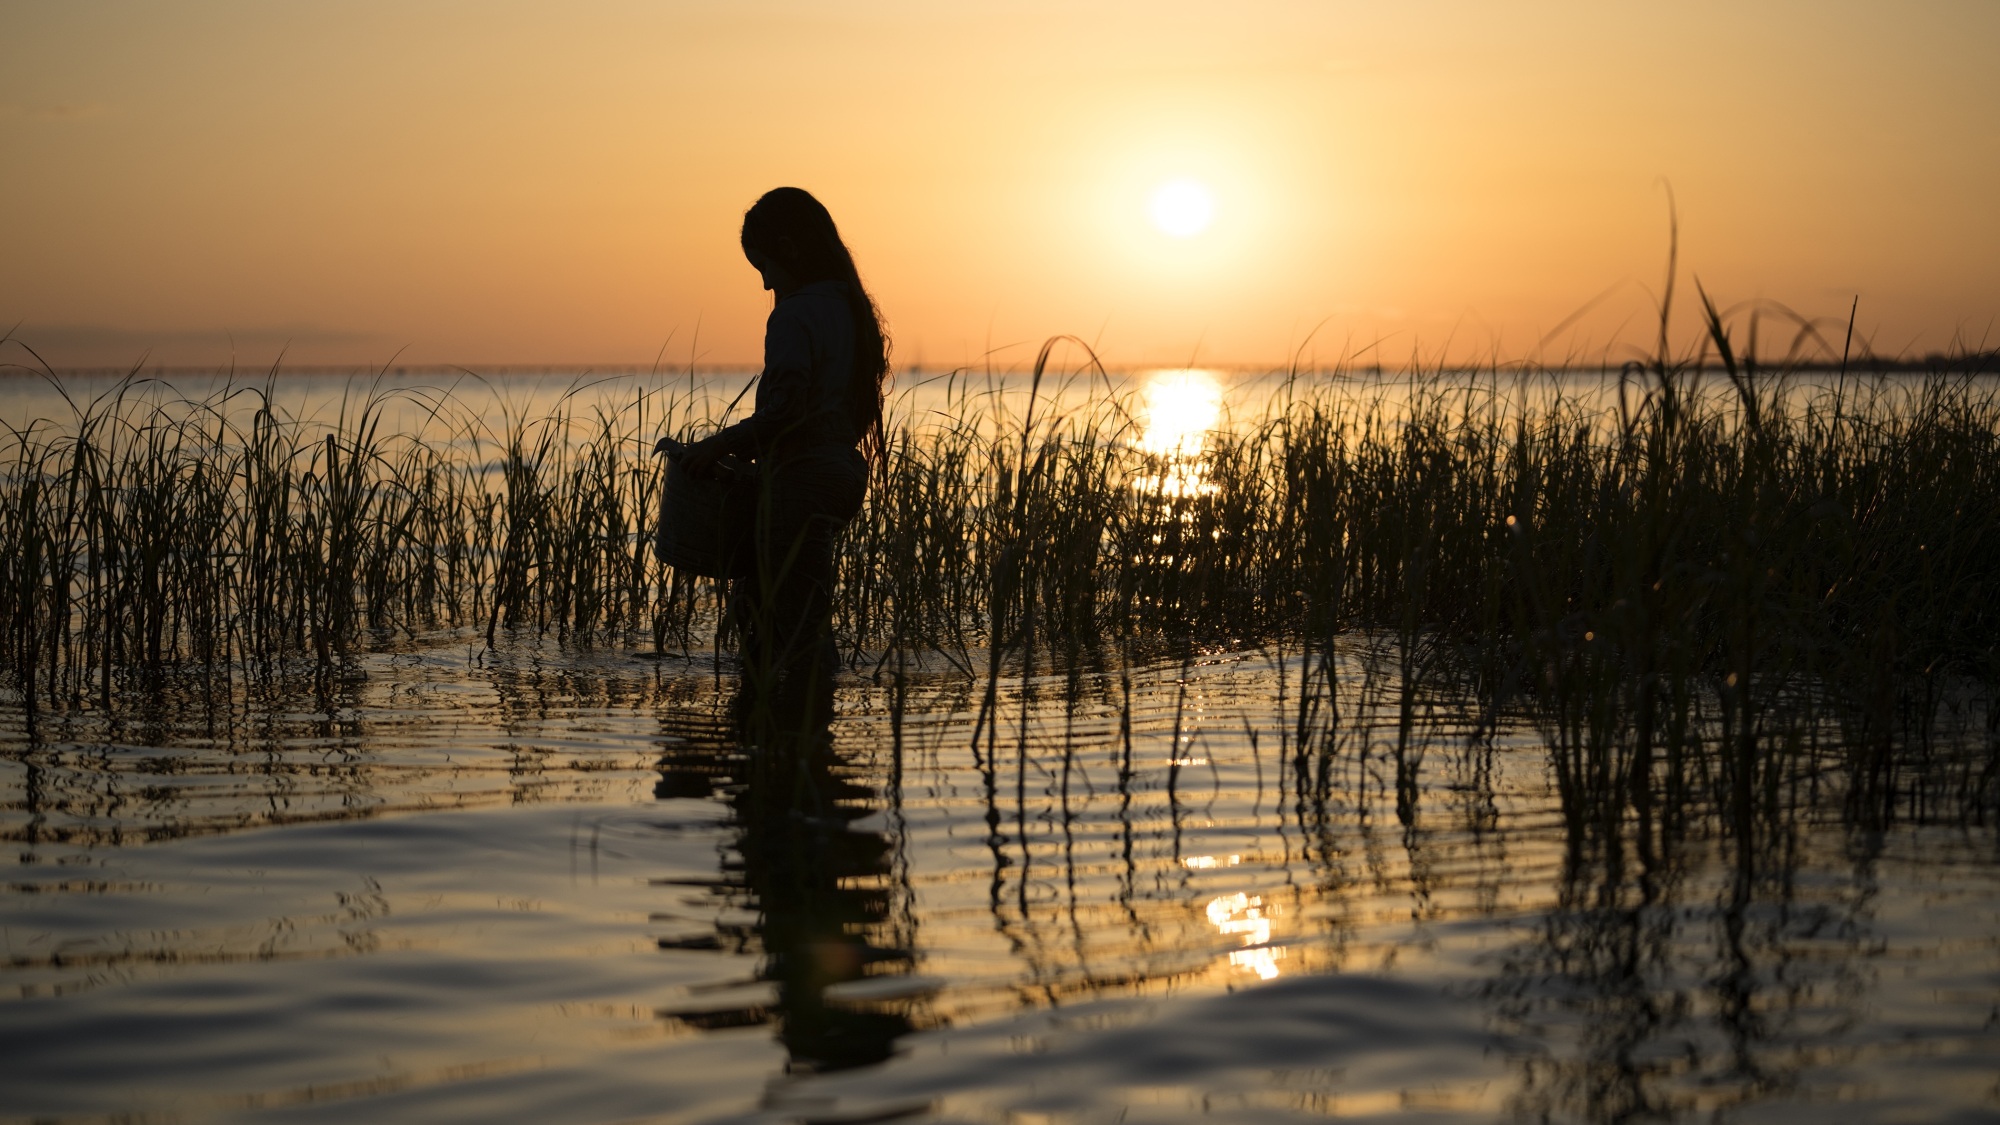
{"x":547,"y":885}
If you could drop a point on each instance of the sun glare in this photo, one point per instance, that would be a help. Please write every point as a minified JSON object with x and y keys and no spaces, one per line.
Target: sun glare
{"x":1182,"y":208}
{"x":1182,"y":406}
{"x":1243,"y":916}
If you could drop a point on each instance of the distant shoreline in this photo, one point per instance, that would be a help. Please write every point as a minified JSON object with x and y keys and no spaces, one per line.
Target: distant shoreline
{"x":1970,"y":363}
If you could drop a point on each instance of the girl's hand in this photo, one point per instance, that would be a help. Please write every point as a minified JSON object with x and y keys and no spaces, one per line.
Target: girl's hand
{"x":698,"y":460}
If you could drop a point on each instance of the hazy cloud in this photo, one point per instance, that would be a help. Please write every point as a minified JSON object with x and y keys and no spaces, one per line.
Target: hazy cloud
{"x":95,"y":345}
{"x":56,"y":111}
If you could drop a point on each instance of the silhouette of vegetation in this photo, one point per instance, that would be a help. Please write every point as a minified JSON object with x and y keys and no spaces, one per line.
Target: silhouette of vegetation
{"x":1700,"y":540}
{"x":1748,"y":610}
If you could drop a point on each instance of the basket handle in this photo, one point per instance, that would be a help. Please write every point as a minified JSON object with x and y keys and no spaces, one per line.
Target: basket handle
{"x":727,"y":467}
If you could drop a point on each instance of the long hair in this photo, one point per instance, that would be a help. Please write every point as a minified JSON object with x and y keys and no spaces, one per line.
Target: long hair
{"x":794,"y":230}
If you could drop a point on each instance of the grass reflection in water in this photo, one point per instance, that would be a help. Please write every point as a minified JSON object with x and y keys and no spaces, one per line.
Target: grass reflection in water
{"x":858,"y":901}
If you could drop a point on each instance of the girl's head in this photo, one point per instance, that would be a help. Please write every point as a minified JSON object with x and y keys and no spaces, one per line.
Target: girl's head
{"x":791,"y":230}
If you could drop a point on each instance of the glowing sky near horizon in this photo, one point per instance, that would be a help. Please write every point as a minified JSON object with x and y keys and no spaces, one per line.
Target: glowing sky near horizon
{"x":488,"y":183}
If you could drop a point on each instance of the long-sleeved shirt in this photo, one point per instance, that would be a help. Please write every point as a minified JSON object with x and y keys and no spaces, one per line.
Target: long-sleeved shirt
{"x":801,"y":399}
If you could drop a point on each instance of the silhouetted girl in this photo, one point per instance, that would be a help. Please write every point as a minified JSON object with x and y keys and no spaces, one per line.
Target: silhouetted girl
{"x":818,"y":406}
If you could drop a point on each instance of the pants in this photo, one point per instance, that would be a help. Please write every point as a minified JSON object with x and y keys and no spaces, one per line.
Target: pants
{"x":783,"y":612}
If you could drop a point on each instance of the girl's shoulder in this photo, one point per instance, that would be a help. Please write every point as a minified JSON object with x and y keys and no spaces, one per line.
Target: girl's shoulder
{"x":819,"y":302}
{"x":816,"y":293}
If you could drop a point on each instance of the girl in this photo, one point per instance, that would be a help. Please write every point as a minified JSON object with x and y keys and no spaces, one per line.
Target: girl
{"x":817,"y":421}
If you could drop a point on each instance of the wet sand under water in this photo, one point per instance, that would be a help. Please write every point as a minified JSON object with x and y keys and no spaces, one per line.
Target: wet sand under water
{"x":547,"y":886}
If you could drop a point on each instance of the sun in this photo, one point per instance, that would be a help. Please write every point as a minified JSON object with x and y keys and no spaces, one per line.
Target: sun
{"x":1182,"y":208}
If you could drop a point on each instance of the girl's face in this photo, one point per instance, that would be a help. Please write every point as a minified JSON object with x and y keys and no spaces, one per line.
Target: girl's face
{"x":777,"y":278}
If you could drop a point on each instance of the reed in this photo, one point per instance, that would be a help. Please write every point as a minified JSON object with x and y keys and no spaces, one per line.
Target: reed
{"x":1641,"y":561}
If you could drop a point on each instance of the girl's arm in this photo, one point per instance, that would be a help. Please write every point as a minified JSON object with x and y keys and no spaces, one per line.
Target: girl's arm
{"x":781,"y":396}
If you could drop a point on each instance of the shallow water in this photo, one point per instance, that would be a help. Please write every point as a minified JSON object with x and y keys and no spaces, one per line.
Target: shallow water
{"x":546,"y":885}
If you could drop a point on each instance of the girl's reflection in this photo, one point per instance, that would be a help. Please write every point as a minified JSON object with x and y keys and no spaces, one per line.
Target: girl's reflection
{"x":821,"y":888}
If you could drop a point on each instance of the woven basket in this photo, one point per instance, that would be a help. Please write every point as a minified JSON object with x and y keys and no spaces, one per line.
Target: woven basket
{"x":706,"y":525}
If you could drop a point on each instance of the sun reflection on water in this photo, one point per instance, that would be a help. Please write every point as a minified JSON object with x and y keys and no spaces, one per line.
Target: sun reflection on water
{"x":1182,"y":406}
{"x":1242,"y":915}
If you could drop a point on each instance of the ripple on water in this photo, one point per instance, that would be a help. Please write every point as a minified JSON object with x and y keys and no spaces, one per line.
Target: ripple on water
{"x":543,"y":889}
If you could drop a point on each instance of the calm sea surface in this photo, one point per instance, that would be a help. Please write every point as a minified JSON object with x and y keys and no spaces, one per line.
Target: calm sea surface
{"x":548,"y":884}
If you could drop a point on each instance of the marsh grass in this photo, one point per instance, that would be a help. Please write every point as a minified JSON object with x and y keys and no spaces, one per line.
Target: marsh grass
{"x":152,"y":534}
{"x":1697,"y":574}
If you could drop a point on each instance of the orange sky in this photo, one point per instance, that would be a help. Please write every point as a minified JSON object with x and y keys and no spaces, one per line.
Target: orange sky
{"x":489,"y":183}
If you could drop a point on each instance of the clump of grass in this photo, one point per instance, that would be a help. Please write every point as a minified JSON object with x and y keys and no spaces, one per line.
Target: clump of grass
{"x":152,"y":533}
{"x":1699,"y":573}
